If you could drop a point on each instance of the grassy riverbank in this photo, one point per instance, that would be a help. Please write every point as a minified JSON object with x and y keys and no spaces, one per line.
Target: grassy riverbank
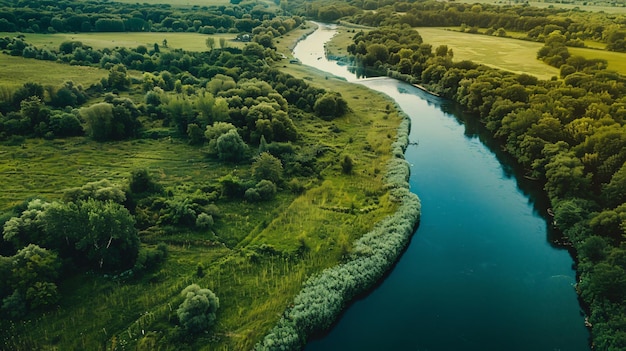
{"x":325,"y":295}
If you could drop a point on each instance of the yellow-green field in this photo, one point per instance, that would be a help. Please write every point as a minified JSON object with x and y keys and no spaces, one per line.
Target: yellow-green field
{"x":586,"y":6}
{"x":185,"y":41}
{"x":508,"y":54}
{"x":15,"y":71}
{"x":616,"y":60}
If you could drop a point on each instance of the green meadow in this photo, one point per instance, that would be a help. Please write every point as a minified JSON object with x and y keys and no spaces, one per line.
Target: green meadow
{"x":592,"y":6}
{"x":616,"y":60}
{"x":184,"y":41}
{"x":15,"y":71}
{"x":508,"y":54}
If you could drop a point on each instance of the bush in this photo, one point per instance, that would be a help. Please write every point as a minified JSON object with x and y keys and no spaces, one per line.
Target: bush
{"x":266,"y":189}
{"x":204,"y":221}
{"x":198,"y":312}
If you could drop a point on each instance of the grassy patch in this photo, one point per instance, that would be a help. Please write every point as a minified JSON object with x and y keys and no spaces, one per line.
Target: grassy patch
{"x":616,"y":60}
{"x":593,"y":6}
{"x":16,"y":71}
{"x":508,"y":54}
{"x":185,"y":41}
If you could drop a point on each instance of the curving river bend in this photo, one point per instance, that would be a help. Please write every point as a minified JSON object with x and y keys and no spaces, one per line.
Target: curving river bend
{"x":479,"y":273}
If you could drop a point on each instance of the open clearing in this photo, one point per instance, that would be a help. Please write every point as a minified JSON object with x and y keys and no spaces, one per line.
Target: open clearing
{"x":185,"y":41}
{"x":15,"y":71}
{"x":508,"y":54}
{"x":590,"y":6}
{"x":616,"y":60}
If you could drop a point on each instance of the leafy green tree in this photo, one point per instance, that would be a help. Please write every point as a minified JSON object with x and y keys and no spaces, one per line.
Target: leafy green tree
{"x":27,"y":90}
{"x":615,"y":191}
{"x":181,"y":112}
{"x":98,"y":120}
{"x":141,"y":182}
{"x":14,"y":305}
{"x":32,"y":265}
{"x":118,"y":78}
{"x":102,"y":190}
{"x":197,"y":313}
{"x":230,"y":146}
{"x":266,"y":189}
{"x":594,"y":248}
{"x":566,"y":177}
{"x":347,"y":164}
{"x":42,"y":294}
{"x":254,"y":50}
{"x":101,"y":233}
{"x":266,"y":166}
{"x":27,"y":228}
{"x":195,"y":135}
{"x":65,"y":124}
{"x":204,"y":104}
{"x":330,"y":105}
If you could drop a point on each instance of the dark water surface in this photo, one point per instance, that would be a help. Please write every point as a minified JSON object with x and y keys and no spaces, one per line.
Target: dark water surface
{"x":479,"y":273}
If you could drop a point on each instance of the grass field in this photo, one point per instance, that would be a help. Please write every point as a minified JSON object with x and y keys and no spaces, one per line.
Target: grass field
{"x":508,"y":54}
{"x":581,"y":5}
{"x":15,"y":71}
{"x":185,"y":41}
{"x":616,"y":60}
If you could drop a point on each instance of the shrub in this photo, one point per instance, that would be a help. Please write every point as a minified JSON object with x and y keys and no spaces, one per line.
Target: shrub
{"x":197,"y":313}
{"x":204,"y":221}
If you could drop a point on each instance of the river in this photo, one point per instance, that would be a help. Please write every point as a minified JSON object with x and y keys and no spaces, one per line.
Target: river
{"x":480,"y":273}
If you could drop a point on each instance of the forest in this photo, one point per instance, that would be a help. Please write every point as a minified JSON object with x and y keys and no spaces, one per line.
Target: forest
{"x":199,"y":243}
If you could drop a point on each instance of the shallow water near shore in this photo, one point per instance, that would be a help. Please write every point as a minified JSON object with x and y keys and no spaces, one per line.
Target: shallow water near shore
{"x":479,"y":273}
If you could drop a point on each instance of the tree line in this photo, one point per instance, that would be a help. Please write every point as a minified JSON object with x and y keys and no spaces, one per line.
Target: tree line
{"x":576,"y":25}
{"x":91,"y":16}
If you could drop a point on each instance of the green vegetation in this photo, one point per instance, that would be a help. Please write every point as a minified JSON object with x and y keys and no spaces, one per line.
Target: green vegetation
{"x":142,"y":166}
{"x":176,"y":160}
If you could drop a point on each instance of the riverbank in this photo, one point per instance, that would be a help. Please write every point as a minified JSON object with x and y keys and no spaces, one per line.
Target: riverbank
{"x":325,"y":295}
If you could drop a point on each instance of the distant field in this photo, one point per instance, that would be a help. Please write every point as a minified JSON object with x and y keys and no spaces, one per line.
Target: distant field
{"x":616,"y":60}
{"x":591,"y":6}
{"x":185,"y":41}
{"x":18,"y":70}
{"x":509,"y":54}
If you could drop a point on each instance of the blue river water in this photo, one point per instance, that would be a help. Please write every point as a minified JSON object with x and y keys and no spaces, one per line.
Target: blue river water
{"x":480,"y":273}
